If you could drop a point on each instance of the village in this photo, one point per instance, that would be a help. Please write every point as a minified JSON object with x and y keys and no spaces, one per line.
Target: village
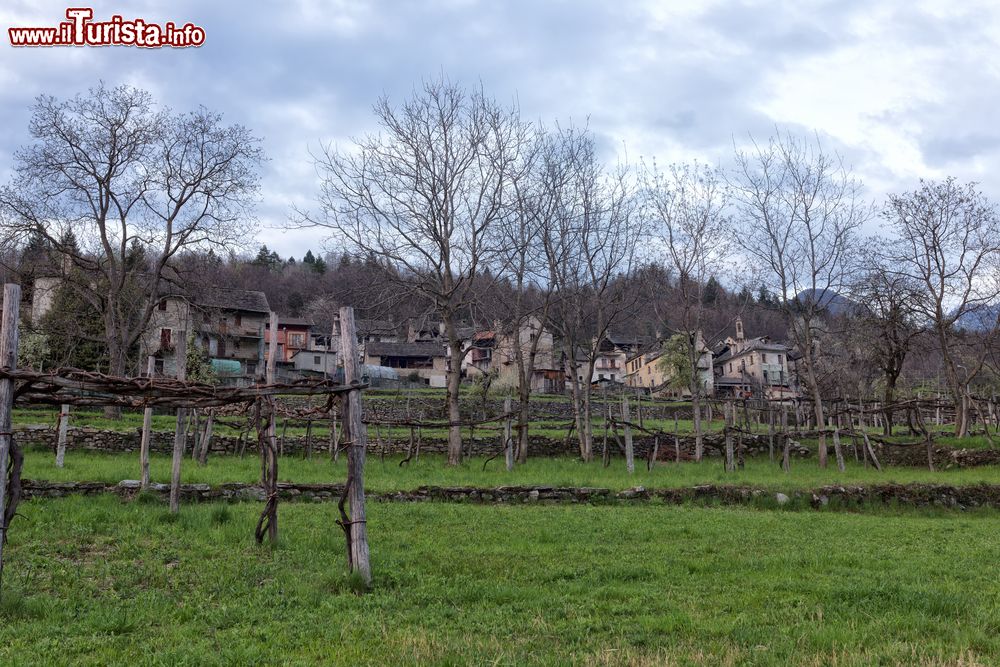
{"x":468,"y":333}
{"x":231,"y":327}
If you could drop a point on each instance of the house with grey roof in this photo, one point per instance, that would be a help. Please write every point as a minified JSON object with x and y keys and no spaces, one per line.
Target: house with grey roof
{"x":228,"y":324}
{"x":754,"y":367}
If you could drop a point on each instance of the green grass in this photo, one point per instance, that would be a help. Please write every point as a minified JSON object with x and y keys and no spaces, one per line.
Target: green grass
{"x":430,"y":470}
{"x":94,"y":581}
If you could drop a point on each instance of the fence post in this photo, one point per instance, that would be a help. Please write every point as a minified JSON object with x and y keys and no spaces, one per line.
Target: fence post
{"x":629,"y":452}
{"x":180,"y":433}
{"x":8,"y":360}
{"x":63,"y":433}
{"x":147,"y":428}
{"x":357,"y":440}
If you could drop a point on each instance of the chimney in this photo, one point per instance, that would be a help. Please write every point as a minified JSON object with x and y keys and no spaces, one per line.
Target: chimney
{"x":739,"y":329}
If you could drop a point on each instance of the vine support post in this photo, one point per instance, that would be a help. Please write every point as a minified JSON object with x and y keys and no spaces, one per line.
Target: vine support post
{"x":147,"y":431}
{"x":180,"y":433}
{"x":627,"y":427}
{"x":269,"y":452}
{"x":356,"y":438}
{"x":8,"y":360}
{"x":63,"y":434}
{"x":508,"y":443}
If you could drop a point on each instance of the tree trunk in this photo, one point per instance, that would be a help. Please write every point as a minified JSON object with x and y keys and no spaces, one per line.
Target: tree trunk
{"x":454,"y":410}
{"x":523,"y":416}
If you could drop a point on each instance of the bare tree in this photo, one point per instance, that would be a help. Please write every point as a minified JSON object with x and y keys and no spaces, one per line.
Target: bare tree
{"x":591,"y":247}
{"x":424,"y":196}
{"x":948,"y":242}
{"x":885,"y":318}
{"x":801,"y":209}
{"x":118,"y":188}
{"x":693,"y":233}
{"x":540,"y":199}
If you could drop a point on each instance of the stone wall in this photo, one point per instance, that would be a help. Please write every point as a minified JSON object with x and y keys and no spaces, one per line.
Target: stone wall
{"x":913,"y":495}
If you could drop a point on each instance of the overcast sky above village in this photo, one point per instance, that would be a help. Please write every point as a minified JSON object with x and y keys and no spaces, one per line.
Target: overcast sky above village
{"x":904,"y":89}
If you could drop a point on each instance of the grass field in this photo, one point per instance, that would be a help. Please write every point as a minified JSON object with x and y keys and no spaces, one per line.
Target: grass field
{"x":97,"y":581}
{"x":430,"y":470}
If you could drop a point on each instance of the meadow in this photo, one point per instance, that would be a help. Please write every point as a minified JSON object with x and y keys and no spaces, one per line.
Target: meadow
{"x":430,"y":470}
{"x":102,"y":580}
{"x":96,"y":581}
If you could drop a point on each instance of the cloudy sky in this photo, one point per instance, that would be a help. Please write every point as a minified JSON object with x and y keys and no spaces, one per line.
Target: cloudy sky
{"x":904,"y":89}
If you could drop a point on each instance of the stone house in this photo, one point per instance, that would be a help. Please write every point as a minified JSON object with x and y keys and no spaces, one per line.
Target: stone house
{"x":229,"y":324}
{"x":495,"y":351}
{"x":425,"y":360}
{"x":644,"y":370}
{"x":754,"y":367}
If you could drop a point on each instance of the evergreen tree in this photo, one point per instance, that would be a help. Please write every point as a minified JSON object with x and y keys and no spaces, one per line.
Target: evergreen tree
{"x":711,"y":293}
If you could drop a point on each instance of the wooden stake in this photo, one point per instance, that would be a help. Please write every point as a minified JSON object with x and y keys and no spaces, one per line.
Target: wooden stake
{"x":147,"y":430}
{"x":508,"y":443}
{"x":629,"y":454}
{"x":727,"y":418}
{"x":180,"y":354}
{"x":206,"y":439}
{"x":63,"y":432}
{"x":8,"y":451}
{"x":356,"y":526}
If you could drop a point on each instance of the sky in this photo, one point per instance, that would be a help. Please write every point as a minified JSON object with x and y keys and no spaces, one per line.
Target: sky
{"x":903,"y":89}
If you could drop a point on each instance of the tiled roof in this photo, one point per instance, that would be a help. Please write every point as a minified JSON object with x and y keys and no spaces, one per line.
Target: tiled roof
{"x":404,"y":350}
{"x":250,"y":301}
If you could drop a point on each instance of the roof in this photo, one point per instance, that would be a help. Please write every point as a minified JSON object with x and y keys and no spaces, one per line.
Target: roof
{"x":404,"y":350}
{"x":376,"y":326}
{"x":251,"y":301}
{"x":287,"y":320}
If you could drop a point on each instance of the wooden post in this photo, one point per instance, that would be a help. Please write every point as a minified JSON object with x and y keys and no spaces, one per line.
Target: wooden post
{"x":63,"y":432}
{"x":8,"y":360}
{"x":269,"y":453}
{"x":356,"y":527}
{"x":786,"y":458}
{"x":508,"y":443}
{"x":836,"y":447}
{"x":180,"y":354}
{"x":196,"y":428}
{"x":629,"y":453}
{"x":677,"y":441}
{"x":147,"y":430}
{"x":728,"y":409}
{"x":206,"y":439}
{"x":770,"y":433}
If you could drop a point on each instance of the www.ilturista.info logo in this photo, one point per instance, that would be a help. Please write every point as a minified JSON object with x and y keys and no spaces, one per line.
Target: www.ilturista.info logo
{"x":80,"y":30}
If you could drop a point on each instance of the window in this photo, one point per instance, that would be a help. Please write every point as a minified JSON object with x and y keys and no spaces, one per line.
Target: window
{"x":239,"y":319}
{"x":162,"y":305}
{"x":600,"y":376}
{"x":316,"y":360}
{"x":164,"y":338}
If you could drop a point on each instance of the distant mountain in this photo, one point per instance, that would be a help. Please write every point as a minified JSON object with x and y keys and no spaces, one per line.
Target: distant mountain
{"x":832,"y":302}
{"x":982,"y":319}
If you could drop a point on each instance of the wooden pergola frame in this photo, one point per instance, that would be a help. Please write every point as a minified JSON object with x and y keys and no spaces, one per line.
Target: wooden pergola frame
{"x":69,"y":387}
